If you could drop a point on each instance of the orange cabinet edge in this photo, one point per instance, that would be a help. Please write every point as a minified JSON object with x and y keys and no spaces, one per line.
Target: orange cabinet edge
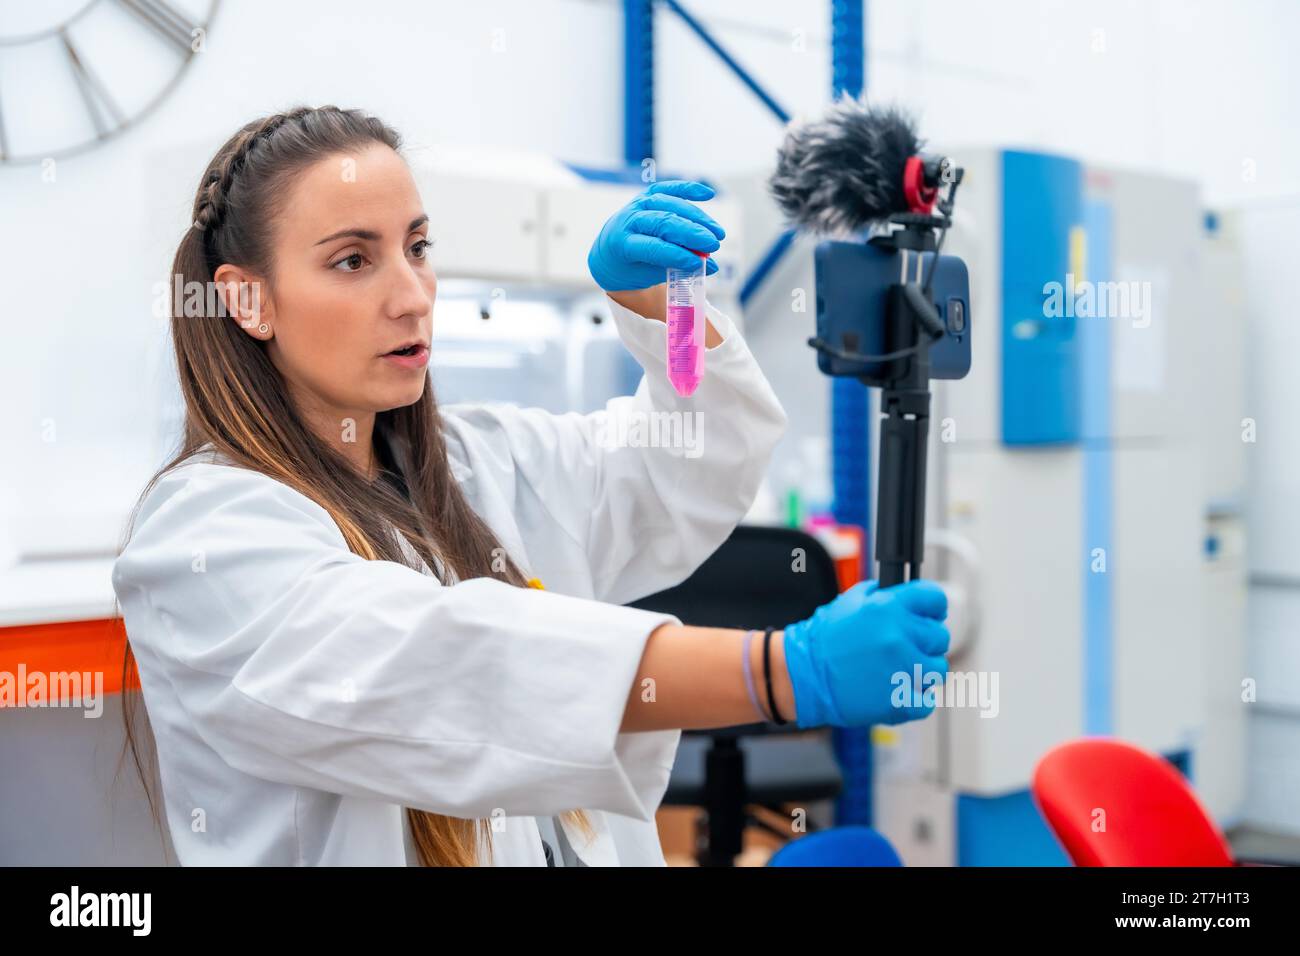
{"x":68,"y":647}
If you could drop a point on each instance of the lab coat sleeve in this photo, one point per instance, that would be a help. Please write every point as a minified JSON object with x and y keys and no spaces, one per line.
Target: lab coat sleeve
{"x":299,"y":662}
{"x":653,"y":483}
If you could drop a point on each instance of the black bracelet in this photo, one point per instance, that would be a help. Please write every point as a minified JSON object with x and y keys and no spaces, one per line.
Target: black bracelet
{"x":767,"y":676}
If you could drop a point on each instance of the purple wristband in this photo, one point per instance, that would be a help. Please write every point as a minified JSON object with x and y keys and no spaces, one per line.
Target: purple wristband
{"x":749,"y":675}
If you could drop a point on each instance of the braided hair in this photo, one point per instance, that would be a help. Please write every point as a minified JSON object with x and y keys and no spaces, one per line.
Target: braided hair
{"x":210,"y":203}
{"x":258,"y":153}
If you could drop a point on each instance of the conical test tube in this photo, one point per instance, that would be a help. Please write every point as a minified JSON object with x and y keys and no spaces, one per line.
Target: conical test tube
{"x":686,"y":312}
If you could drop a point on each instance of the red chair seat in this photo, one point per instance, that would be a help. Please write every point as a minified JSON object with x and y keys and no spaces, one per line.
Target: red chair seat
{"x":1113,"y":804}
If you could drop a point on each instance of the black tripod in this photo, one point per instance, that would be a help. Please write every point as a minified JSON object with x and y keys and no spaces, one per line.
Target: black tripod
{"x":912,"y":324}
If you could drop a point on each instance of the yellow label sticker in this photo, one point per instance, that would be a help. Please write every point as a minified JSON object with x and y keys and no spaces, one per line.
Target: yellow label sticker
{"x":1078,"y":254}
{"x":885,"y":736}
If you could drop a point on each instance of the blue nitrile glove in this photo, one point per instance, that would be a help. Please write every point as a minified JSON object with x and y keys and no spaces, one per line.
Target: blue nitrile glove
{"x":845,"y":660}
{"x":654,"y":231}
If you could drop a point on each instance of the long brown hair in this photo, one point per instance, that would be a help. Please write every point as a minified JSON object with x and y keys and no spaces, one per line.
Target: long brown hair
{"x":236,"y":401}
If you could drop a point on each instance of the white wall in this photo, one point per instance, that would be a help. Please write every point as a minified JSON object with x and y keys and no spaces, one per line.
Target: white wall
{"x":1204,"y":89}
{"x":1267,"y":233}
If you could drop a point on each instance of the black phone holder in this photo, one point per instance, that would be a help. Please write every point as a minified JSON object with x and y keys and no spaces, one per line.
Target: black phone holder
{"x":912,"y":325}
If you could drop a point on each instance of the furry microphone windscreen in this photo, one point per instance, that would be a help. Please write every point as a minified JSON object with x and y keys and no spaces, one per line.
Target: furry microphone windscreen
{"x":844,"y":172}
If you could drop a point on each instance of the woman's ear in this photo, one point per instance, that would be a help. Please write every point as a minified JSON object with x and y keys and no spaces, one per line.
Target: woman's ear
{"x":246,"y":302}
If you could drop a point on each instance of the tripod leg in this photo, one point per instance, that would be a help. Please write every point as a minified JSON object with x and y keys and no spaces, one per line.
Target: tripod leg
{"x":900,"y":497}
{"x":916,"y":538}
{"x":891,"y":533}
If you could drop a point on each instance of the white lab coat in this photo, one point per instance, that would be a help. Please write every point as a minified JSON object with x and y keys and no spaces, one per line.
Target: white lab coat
{"x":300,"y":696}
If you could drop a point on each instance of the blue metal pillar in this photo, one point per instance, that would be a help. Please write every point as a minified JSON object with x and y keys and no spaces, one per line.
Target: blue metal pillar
{"x":638,"y":81}
{"x":851,"y":430}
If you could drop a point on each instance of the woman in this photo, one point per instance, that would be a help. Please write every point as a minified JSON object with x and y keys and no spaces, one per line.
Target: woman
{"x":327,"y":589}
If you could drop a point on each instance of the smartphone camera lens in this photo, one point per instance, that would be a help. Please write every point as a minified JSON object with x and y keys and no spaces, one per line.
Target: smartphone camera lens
{"x":956,"y":316}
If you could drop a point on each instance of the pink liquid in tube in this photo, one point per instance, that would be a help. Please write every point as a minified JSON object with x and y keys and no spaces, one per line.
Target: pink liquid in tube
{"x":686,"y":313}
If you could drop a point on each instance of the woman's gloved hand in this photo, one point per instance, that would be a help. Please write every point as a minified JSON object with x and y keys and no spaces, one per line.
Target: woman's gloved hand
{"x":653,"y":232}
{"x":843,"y":660}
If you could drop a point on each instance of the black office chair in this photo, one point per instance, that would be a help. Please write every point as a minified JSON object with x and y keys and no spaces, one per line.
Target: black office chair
{"x":751,"y":581}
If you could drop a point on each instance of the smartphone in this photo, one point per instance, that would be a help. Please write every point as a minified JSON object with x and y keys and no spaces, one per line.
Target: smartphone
{"x":853,"y":280}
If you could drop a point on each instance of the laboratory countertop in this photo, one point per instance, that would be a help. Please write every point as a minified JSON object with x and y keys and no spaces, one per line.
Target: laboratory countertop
{"x":56,"y":590}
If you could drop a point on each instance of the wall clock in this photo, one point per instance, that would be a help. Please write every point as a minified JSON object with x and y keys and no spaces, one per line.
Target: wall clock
{"x":75,"y":73}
